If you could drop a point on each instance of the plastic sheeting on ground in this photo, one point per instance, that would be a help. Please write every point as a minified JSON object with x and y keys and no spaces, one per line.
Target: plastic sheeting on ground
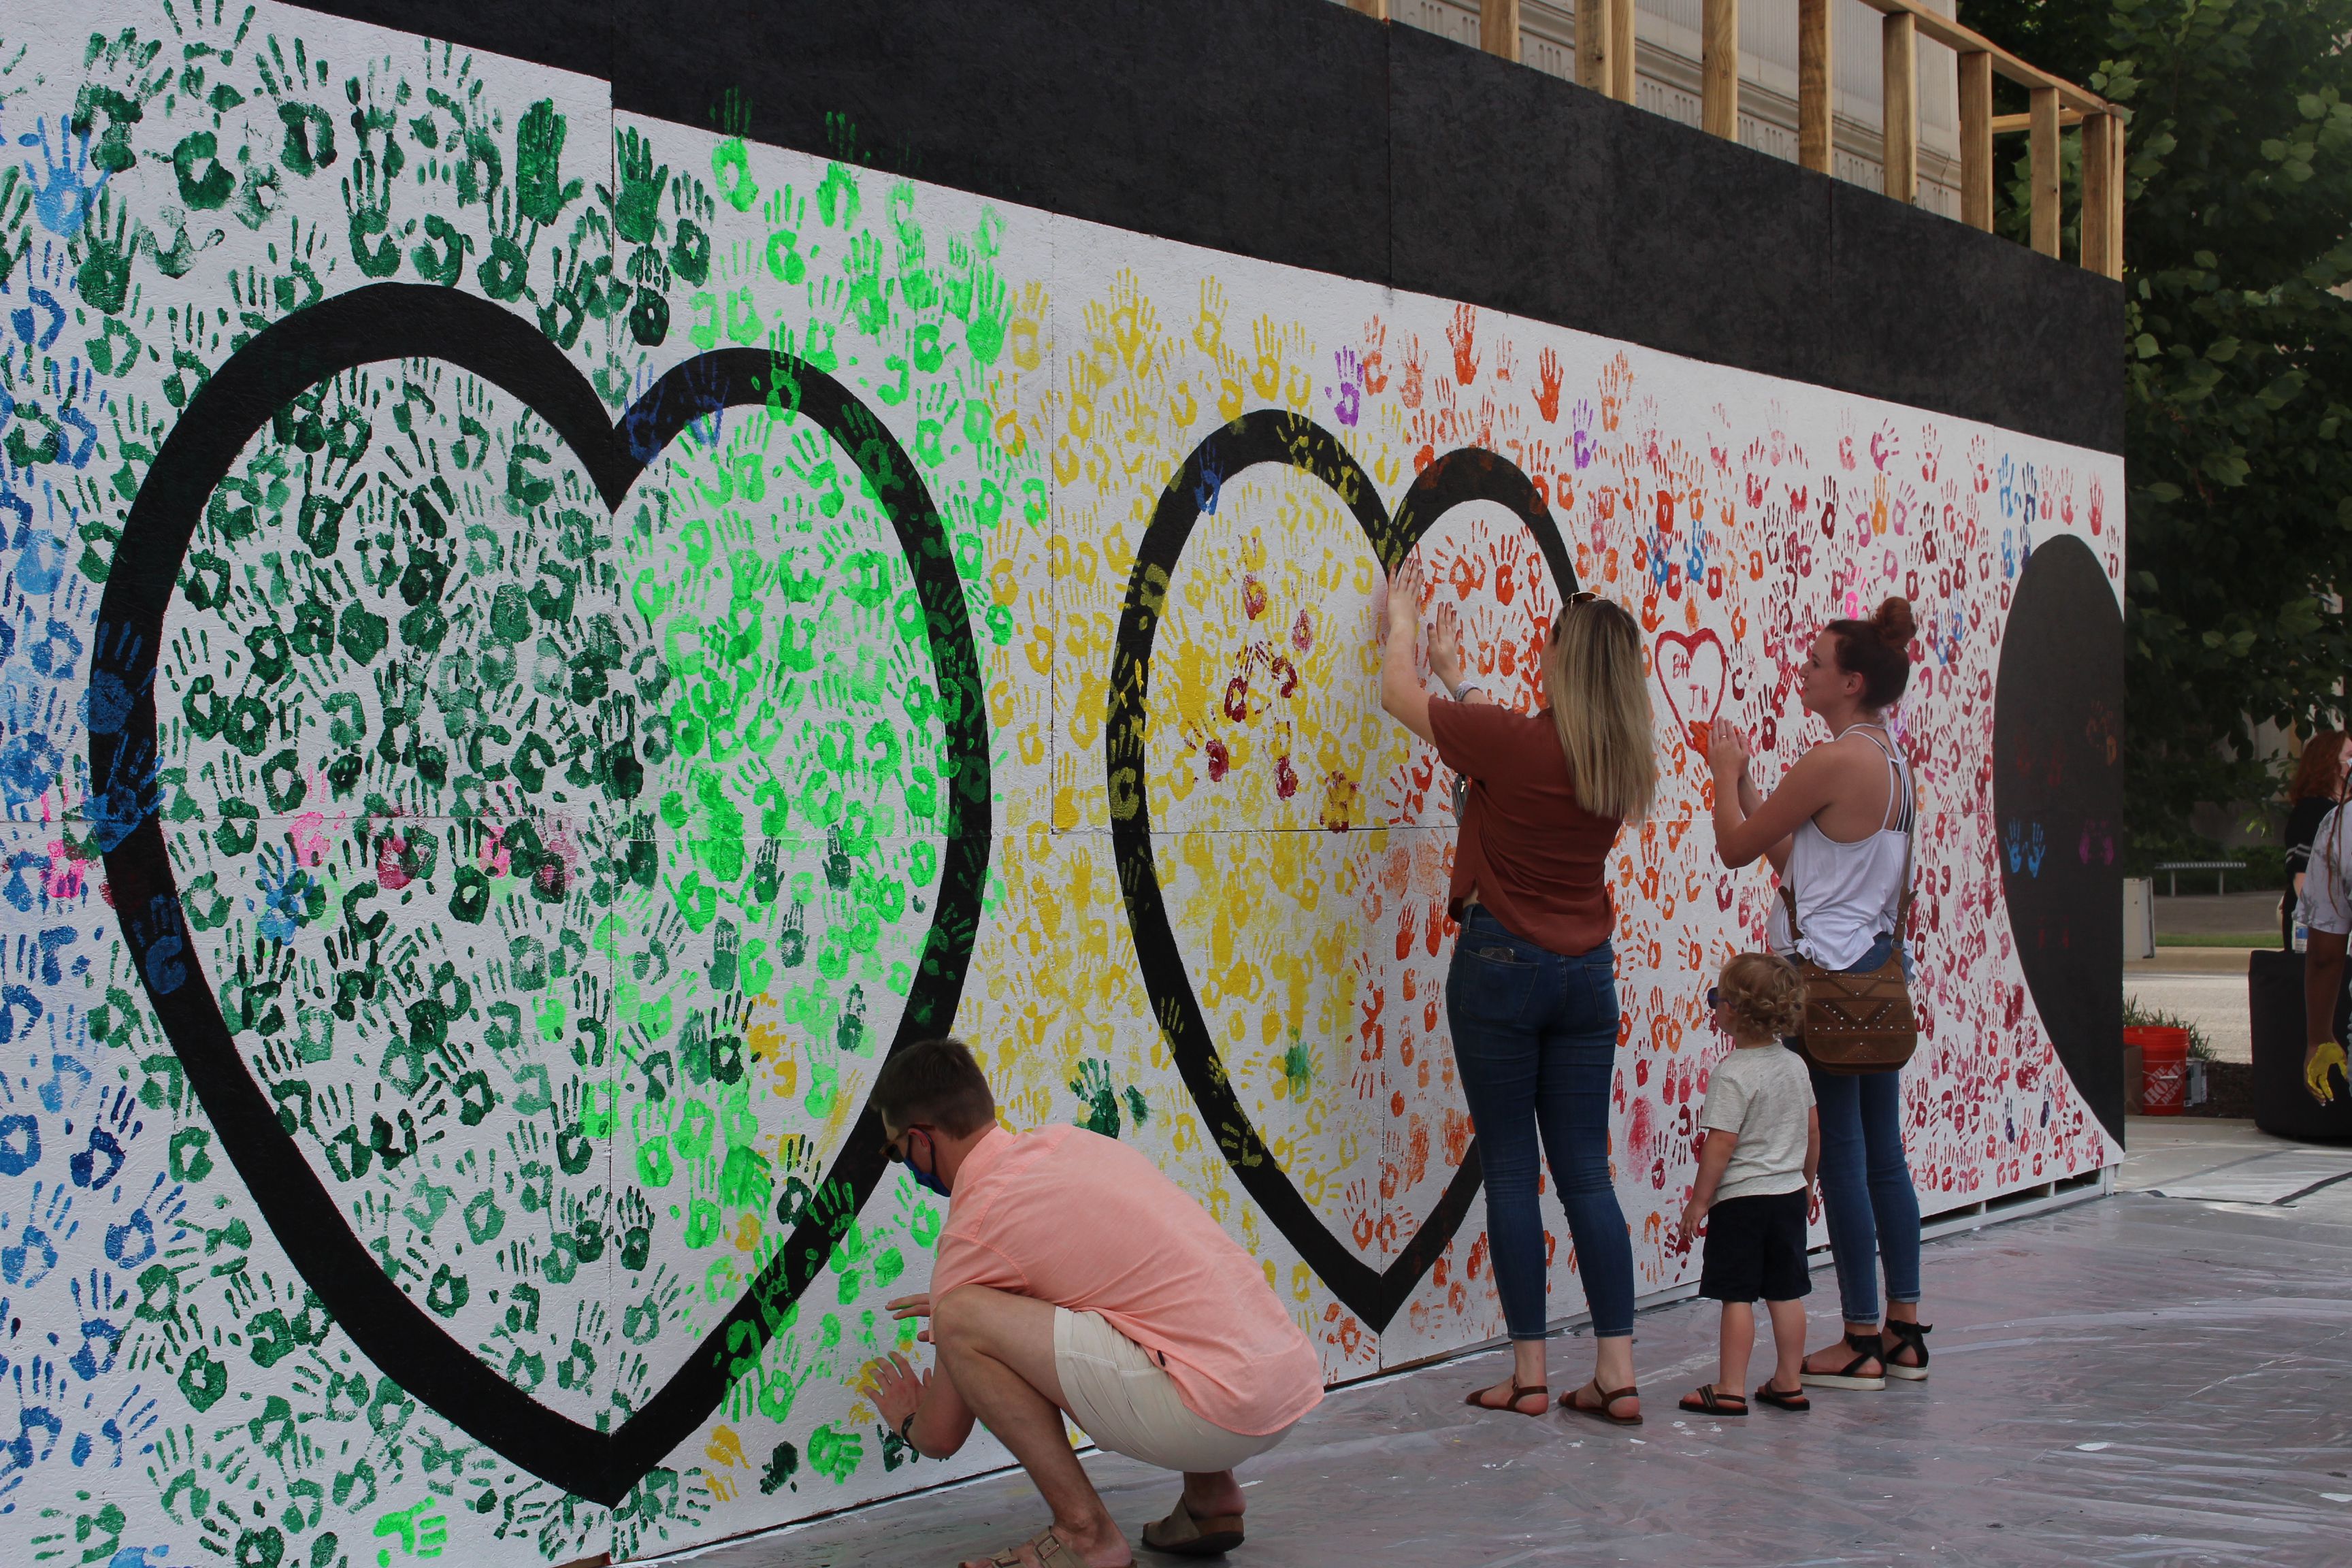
{"x":2134,"y":1381}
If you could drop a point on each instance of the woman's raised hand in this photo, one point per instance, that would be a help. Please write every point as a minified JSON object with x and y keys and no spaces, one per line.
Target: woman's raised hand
{"x":1404,"y":598}
{"x":1445,"y":647}
{"x":1727,"y":751}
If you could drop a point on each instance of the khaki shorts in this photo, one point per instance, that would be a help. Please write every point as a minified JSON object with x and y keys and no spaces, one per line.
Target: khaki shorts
{"x":1124,"y":1399}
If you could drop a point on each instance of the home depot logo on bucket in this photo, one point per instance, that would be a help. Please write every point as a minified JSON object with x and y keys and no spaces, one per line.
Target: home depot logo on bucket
{"x":2164,"y":1068}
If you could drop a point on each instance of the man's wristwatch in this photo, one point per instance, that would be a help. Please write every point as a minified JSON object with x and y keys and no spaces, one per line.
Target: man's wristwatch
{"x":1464,"y":689}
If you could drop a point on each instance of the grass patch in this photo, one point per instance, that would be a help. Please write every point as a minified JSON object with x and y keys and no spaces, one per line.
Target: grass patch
{"x":2217,"y":939}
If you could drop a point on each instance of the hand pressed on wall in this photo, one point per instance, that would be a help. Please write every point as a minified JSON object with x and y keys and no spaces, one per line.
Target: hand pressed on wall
{"x":896,"y":1388}
{"x":1445,"y":647}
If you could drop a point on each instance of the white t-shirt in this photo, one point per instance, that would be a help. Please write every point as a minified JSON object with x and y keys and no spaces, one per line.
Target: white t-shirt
{"x":1761,"y":1093}
{"x":2326,"y":902}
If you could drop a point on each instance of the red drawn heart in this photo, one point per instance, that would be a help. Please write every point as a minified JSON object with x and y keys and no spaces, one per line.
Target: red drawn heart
{"x":1693,"y":671}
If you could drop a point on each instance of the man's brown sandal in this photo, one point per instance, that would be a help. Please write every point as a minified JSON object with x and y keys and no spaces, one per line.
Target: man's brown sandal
{"x":1911,"y":1338}
{"x":1476,"y":1398}
{"x":1706,"y":1401}
{"x":1184,"y":1534}
{"x":1051,"y":1551}
{"x":1601,"y":1412}
{"x":1868,"y":1351}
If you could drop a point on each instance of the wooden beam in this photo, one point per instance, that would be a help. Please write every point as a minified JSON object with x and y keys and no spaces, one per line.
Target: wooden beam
{"x":1719,"y":69}
{"x":1899,"y":122}
{"x":2120,"y":172}
{"x":1498,"y":28}
{"x":1976,"y":139}
{"x":2017,"y":124}
{"x":1620,"y":50}
{"x":1592,"y":43}
{"x":1378,"y":10}
{"x":1815,"y":62}
{"x":2098,"y":173}
{"x":2046,"y":216}
{"x":1943,"y":30}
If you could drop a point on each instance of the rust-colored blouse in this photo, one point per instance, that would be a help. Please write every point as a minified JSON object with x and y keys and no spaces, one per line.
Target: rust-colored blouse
{"x":1534,"y":858}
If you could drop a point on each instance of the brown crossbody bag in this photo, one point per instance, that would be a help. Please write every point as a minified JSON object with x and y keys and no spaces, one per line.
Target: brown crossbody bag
{"x":1859,"y":1022}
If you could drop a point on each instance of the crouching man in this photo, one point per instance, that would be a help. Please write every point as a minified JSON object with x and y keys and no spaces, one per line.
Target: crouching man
{"x":1072,"y":1276}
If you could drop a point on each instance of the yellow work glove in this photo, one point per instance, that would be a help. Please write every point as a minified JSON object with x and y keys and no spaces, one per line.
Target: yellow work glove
{"x":2316,"y":1064}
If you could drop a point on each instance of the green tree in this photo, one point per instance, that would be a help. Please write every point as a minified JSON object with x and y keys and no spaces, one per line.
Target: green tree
{"x":2238,"y":356}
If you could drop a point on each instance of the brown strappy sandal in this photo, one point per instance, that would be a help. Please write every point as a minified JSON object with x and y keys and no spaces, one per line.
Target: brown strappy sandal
{"x":1050,"y":1550}
{"x":1704,"y":1401}
{"x":1607,"y":1397}
{"x":1184,"y":1534}
{"x":1476,"y":1398}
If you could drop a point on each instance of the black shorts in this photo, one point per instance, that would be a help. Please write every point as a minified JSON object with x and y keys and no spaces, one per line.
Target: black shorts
{"x":1755,"y":1246}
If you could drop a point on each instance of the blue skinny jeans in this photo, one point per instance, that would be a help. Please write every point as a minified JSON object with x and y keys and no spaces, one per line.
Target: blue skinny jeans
{"x":1535,"y":1037}
{"x":1868,"y":1198}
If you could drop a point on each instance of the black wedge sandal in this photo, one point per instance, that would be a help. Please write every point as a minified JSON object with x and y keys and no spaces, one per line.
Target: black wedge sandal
{"x":1867,"y":1351}
{"x":1914,"y":1339}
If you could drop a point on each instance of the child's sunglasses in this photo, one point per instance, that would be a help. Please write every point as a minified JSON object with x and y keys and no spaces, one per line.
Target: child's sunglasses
{"x":1713,"y":998}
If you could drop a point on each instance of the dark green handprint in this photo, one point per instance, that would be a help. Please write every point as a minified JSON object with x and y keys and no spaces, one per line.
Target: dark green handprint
{"x":367,"y":196}
{"x":637,"y":210}
{"x":104,"y":276}
{"x":540,"y":191}
{"x":1093,"y":1088}
{"x":206,"y":183}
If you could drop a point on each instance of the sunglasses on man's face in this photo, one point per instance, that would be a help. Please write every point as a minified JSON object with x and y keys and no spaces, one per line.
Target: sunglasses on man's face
{"x":895,"y":1144}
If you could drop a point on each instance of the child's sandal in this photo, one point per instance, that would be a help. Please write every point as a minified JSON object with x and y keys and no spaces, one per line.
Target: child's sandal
{"x":1768,"y":1395}
{"x":1704,"y":1401}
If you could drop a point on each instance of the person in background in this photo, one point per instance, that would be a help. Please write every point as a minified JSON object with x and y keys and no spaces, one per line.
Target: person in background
{"x":1073,"y":1276}
{"x":1838,"y":830}
{"x":1532,"y":992}
{"x":2318,"y":785}
{"x":1755,"y":1182}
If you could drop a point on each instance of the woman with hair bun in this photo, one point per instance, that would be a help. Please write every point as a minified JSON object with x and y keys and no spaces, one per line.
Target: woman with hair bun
{"x":1838,"y":830}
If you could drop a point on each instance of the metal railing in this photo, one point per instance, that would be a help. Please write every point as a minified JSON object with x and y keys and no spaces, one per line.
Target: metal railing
{"x":1604,"y":62}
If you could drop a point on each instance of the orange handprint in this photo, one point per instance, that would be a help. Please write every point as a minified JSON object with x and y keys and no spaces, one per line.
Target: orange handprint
{"x":1462,"y":333}
{"x":1548,"y":379}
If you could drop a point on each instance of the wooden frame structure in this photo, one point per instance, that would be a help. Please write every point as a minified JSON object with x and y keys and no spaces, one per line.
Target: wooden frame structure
{"x":1604,"y":62}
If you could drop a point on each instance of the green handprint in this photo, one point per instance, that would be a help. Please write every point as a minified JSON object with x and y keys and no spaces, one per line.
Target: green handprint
{"x":1093,"y":1088}
{"x":869,"y":292}
{"x":506,"y":271}
{"x":992,"y":311}
{"x":367,"y":196}
{"x":539,"y":186}
{"x":104,"y":276}
{"x":636,"y":211}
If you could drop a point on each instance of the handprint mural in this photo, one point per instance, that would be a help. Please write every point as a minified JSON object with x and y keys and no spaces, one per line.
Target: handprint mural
{"x":537,"y":642}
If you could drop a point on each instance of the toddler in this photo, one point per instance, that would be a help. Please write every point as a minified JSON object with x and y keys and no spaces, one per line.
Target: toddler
{"x":1755,"y":1175}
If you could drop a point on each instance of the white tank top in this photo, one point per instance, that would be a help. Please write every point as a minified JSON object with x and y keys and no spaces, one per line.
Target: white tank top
{"x":1847,"y":894}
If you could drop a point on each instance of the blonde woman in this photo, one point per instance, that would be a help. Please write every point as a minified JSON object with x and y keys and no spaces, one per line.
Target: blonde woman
{"x":1532,"y":994}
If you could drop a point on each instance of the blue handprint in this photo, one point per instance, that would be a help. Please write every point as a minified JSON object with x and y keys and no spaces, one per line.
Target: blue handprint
{"x":62,"y":198}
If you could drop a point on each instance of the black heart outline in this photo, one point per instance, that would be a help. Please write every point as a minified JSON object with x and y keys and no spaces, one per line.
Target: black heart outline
{"x":401,"y":320}
{"x":1271,"y":435}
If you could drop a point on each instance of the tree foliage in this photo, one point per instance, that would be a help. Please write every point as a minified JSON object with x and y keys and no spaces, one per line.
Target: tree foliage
{"x":2238,"y":366}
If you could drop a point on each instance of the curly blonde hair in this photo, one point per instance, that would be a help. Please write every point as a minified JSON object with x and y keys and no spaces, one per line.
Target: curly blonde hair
{"x":1765,"y":994}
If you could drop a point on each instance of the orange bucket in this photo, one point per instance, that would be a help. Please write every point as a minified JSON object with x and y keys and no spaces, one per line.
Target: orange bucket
{"x":2164,"y":1068}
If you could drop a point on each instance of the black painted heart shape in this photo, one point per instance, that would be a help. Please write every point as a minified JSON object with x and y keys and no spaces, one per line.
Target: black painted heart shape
{"x":401,"y":322}
{"x":1375,"y":1296}
{"x":2057,"y":792}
